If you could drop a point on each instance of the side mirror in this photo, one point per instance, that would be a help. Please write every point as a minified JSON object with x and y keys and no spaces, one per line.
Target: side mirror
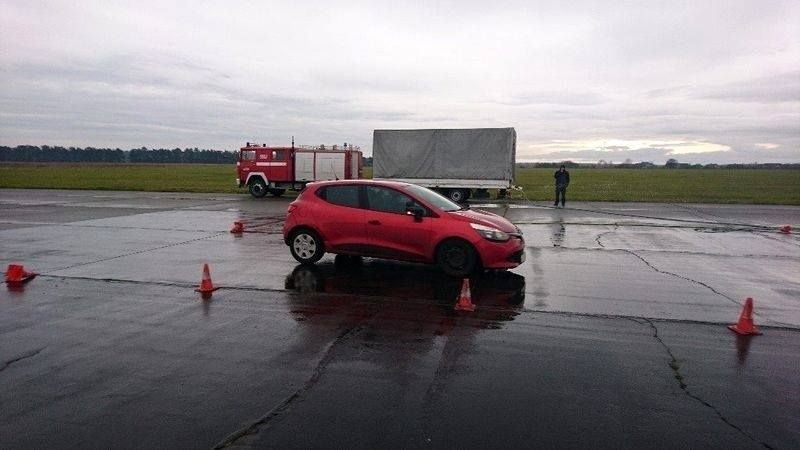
{"x":417,"y":211}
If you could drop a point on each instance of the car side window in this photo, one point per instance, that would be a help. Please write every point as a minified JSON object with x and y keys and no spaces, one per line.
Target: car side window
{"x":341,"y":195}
{"x":384,"y":199}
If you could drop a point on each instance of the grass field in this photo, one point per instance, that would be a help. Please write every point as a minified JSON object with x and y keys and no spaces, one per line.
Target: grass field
{"x":630,"y":185}
{"x":122,"y":177}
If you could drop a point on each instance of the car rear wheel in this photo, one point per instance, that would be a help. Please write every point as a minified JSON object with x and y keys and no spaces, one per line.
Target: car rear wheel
{"x":457,"y":258}
{"x":306,"y":246}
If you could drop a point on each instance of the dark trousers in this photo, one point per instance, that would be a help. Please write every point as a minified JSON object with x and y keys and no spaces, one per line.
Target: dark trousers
{"x":562,"y":190}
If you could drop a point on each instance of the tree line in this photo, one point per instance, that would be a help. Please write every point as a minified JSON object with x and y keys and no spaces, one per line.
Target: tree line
{"x":670,"y":164}
{"x":46,"y":153}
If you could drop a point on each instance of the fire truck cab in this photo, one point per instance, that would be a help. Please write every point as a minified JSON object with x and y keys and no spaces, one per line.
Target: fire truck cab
{"x":266,"y":169}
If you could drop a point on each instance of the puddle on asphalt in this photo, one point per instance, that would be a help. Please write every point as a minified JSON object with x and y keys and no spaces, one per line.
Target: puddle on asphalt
{"x":350,"y":285}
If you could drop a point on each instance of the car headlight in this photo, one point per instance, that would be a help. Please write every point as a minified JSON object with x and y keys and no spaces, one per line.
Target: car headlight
{"x":492,"y":234}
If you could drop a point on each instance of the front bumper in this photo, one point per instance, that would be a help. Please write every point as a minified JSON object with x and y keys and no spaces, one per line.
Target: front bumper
{"x":501,"y":255}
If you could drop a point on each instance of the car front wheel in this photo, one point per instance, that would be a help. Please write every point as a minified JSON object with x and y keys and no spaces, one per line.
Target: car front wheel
{"x":306,"y":246}
{"x":457,"y":258}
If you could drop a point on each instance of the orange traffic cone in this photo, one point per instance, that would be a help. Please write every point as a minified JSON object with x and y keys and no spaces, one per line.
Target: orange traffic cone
{"x":238,"y":227}
{"x":205,"y":284}
{"x":16,"y":274}
{"x":465,"y":299}
{"x":745,"y":324}
{"x":785,"y":229}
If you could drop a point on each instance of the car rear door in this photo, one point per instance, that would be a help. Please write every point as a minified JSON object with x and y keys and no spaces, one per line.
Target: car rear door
{"x":341,"y":219}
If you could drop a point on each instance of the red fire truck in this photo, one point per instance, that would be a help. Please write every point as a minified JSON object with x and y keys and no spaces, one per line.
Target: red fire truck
{"x":275,"y":169}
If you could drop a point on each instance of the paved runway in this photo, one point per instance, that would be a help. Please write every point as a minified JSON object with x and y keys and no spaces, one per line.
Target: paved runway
{"x":612,"y":333}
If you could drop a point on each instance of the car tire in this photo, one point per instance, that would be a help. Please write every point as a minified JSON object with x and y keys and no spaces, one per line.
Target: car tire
{"x":457,"y":258}
{"x":306,"y":246}
{"x":257,"y":187}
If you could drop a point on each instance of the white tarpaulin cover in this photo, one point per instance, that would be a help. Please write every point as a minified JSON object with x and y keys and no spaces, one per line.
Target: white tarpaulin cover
{"x":474,"y":153}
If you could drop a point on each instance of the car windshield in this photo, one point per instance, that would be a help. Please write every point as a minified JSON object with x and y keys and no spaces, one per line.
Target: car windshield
{"x":434,"y":198}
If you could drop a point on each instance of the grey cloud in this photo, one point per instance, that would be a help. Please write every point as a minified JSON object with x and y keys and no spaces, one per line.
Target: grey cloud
{"x":777,"y":88}
{"x":553,"y":98}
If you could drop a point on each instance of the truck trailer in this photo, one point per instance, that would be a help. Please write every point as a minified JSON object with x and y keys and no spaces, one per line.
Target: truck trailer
{"x":452,"y":161}
{"x":271,"y":169}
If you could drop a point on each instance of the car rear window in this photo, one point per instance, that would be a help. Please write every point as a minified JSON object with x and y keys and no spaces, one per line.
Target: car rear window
{"x":341,"y":195}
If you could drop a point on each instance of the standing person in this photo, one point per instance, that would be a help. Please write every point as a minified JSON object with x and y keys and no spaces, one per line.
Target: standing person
{"x":562,"y":181}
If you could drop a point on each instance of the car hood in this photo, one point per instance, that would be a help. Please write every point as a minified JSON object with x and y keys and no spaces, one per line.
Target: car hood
{"x":486,"y":218}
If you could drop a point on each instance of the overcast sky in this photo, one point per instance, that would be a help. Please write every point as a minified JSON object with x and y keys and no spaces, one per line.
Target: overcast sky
{"x":699,"y":81}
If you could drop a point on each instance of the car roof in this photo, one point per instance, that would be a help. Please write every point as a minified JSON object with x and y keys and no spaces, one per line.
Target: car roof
{"x":363,"y":181}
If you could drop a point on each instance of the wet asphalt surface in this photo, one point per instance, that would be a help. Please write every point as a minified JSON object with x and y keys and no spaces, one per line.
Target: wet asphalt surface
{"x":612,"y":334}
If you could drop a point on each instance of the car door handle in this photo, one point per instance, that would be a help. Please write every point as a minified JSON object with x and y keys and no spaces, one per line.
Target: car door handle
{"x":374,"y":222}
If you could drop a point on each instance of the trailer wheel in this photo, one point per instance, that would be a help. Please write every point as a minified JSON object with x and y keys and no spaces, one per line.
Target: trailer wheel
{"x":458,"y":195}
{"x":257,"y":187}
{"x":306,"y":246}
{"x":277,"y":192}
{"x":457,"y":258}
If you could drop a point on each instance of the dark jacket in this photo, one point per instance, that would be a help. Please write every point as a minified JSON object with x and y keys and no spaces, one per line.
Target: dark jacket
{"x":562,"y":178}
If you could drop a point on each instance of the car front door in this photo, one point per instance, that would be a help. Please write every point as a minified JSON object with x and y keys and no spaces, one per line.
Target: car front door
{"x":391,"y":231}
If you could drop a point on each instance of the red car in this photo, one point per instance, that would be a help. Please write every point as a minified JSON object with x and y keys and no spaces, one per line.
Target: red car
{"x":401,"y":221}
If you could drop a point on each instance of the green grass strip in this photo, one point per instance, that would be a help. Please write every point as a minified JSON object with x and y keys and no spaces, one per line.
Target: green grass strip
{"x":756,"y":186}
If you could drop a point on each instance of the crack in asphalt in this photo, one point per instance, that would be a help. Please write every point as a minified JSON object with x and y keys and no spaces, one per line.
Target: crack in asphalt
{"x":282,"y":407}
{"x":30,"y":354}
{"x":690,"y":253}
{"x":138,"y":252}
{"x":682,"y":277}
{"x":411,"y":300}
{"x":668,"y":219}
{"x":600,"y":236}
{"x":773,"y":238}
{"x":696,"y":211}
{"x":677,"y":252}
{"x":676,"y":369}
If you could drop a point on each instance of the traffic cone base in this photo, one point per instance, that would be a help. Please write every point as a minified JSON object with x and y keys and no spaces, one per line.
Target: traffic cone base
{"x":465,"y":299}
{"x":785,"y":229}
{"x":206,"y":285}
{"x":238,"y":227}
{"x":745,"y":325}
{"x":16,"y":274}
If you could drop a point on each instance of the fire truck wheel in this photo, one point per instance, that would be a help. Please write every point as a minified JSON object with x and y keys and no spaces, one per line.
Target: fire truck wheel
{"x":306,"y":246}
{"x":257,"y":188}
{"x":277,"y":192}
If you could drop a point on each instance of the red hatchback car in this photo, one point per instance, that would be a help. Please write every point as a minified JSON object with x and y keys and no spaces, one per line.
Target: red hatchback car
{"x":401,"y":221}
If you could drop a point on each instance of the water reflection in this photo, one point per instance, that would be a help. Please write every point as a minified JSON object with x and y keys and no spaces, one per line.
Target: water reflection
{"x":559,"y":231}
{"x":394,"y":319}
{"x":349,"y":275}
{"x":403,"y":288}
{"x":742,"y":348}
